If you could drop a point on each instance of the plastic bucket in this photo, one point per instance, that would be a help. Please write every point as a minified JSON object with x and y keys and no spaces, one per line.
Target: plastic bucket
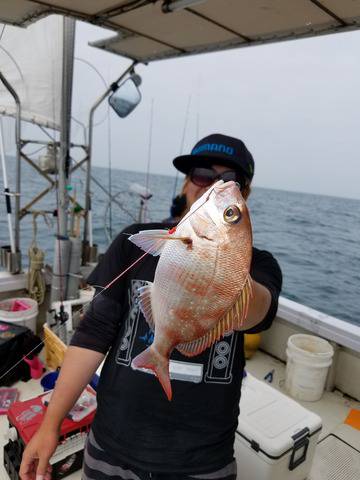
{"x":48,"y":381}
{"x":308,"y":362}
{"x":20,"y":311}
{"x":94,"y":382}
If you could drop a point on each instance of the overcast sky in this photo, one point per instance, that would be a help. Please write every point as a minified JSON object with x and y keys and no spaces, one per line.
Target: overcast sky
{"x":295,"y":104}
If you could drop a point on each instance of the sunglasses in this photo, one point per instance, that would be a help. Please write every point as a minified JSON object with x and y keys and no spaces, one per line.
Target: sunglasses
{"x":204,"y":177}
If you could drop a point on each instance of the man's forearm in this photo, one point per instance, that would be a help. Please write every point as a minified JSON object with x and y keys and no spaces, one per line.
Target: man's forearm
{"x":78,"y":368}
{"x":259,"y":305}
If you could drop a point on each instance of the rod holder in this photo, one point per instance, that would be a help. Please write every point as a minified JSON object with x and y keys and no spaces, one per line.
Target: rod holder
{"x":89,"y":254}
{"x":10,"y":261}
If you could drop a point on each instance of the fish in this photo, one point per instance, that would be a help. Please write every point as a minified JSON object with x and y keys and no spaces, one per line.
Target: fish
{"x":202,"y":285}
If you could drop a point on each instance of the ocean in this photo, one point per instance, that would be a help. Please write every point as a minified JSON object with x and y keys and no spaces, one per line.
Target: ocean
{"x":315,"y":238}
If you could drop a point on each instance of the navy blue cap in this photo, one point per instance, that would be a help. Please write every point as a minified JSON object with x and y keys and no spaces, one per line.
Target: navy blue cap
{"x":219,"y":149}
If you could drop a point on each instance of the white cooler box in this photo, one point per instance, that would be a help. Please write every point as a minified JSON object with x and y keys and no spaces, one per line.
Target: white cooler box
{"x":276,"y":436}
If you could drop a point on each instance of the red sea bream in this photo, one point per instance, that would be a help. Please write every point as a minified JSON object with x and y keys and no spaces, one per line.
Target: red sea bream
{"x":202,"y":285}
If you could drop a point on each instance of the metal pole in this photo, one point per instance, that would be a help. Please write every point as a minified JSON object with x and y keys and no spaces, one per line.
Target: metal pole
{"x":64,"y":160}
{"x":111,"y":88}
{"x":62,"y":242}
{"x":18,"y":158}
{"x":6,"y":190}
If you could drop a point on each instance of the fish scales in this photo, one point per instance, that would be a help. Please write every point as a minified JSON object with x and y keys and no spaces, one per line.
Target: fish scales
{"x":202,"y":284}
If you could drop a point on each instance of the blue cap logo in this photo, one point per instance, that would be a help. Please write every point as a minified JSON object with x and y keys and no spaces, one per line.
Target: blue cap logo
{"x":213,"y":147}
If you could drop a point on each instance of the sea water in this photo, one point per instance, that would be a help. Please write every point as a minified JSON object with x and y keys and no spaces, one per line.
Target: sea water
{"x":316,"y":239}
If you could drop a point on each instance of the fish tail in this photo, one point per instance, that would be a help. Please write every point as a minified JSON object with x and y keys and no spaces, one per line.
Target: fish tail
{"x":150,"y":359}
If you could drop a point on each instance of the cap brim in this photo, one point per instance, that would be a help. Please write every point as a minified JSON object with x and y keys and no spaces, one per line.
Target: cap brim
{"x":184,"y":163}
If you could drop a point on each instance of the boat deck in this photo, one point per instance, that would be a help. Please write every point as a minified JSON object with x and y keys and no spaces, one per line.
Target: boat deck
{"x":333,"y":408}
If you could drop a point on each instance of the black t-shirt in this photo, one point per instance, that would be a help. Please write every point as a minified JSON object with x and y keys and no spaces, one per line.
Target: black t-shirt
{"x":135,"y":423}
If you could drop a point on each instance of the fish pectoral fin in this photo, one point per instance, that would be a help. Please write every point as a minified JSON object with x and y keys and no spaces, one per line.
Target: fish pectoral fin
{"x":151,"y":241}
{"x":145,"y":304}
{"x":232,"y":320}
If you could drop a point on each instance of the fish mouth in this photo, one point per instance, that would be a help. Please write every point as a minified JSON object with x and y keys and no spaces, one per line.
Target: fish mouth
{"x":199,"y":232}
{"x":231,"y":186}
{"x":221,"y":185}
{"x":201,"y":235}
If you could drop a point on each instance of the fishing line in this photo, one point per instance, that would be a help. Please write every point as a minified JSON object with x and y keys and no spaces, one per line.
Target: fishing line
{"x":89,"y":64}
{"x":109,"y":174}
{"x":182,"y":141}
{"x":2,"y":32}
{"x":35,"y":151}
{"x":196,"y":209}
{"x":55,"y":330}
{"x":14,"y":61}
{"x":53,"y":139}
{"x":148,"y":160}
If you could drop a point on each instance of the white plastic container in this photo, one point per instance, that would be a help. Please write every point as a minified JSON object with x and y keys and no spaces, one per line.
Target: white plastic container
{"x":276,"y":437}
{"x":25,"y":314}
{"x":308,"y":362}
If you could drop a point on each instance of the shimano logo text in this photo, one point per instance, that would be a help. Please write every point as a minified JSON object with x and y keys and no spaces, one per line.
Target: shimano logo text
{"x":213,"y":147}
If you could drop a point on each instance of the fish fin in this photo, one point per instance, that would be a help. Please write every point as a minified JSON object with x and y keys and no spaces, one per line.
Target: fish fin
{"x":195,"y":347}
{"x":150,"y":241}
{"x":232,"y":320}
{"x":240,"y":309}
{"x":152,"y":360}
{"x":145,"y":304}
{"x":235,"y":317}
{"x":153,"y":241}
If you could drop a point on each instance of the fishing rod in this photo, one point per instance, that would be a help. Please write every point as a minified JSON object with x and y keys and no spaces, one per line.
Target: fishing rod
{"x":182,"y":141}
{"x":6,"y":190}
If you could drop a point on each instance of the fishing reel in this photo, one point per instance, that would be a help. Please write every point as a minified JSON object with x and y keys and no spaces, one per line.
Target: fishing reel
{"x":60,"y":316}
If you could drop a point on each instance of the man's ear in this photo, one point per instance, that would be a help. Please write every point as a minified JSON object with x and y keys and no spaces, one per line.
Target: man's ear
{"x":178,"y":206}
{"x":184,"y":185}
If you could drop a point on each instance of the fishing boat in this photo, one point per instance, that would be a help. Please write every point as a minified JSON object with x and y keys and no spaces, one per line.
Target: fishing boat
{"x":146,"y":31}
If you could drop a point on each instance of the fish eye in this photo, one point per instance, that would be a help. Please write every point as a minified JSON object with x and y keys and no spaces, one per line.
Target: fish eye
{"x":232,"y":214}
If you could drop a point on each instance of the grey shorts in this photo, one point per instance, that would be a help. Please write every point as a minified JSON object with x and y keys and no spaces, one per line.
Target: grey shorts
{"x":98,"y":466}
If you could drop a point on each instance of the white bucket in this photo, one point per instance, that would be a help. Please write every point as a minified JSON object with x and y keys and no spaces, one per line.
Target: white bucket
{"x":308,"y":362}
{"x":25,"y":314}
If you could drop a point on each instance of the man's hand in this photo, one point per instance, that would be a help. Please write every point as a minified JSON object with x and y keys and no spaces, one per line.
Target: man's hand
{"x":35,"y":461}
{"x":78,"y":368}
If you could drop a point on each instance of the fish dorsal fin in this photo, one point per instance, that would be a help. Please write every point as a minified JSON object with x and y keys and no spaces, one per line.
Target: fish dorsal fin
{"x":145,"y":304}
{"x":232,"y":320}
{"x":151,"y":241}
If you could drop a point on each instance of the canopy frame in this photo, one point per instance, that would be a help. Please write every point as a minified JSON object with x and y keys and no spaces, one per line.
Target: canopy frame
{"x":135,"y":23}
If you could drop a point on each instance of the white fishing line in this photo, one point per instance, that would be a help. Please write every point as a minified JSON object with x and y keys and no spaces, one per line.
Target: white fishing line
{"x":105,"y":287}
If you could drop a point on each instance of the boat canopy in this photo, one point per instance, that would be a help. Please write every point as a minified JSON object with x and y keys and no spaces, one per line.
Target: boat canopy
{"x":31,"y":60}
{"x":145,"y":32}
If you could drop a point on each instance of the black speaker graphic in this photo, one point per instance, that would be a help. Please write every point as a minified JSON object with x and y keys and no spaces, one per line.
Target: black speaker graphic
{"x":123,"y":355}
{"x":221,"y":359}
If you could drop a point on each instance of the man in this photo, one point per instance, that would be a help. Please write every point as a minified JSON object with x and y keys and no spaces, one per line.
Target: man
{"x":137,"y":432}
